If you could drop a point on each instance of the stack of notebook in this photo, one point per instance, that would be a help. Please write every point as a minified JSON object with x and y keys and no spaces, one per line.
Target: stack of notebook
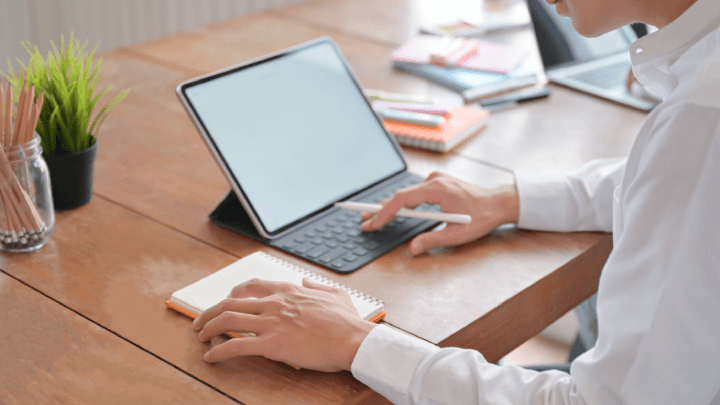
{"x":472,"y":67}
{"x":422,"y":123}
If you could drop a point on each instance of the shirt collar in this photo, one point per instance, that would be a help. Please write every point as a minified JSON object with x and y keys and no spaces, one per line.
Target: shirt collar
{"x":652,"y":54}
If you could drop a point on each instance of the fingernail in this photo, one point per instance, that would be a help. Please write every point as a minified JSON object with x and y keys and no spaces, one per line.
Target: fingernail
{"x":196,"y":324}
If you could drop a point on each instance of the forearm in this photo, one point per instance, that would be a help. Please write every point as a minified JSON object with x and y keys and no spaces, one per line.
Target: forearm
{"x":409,"y":371}
{"x":577,"y":200}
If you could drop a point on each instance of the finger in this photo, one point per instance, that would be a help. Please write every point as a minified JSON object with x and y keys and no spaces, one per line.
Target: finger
{"x":244,"y":305}
{"x":230,"y":322}
{"x":256,"y":288}
{"x":409,"y":197}
{"x":450,"y":236}
{"x":306,"y":282}
{"x":246,"y":346}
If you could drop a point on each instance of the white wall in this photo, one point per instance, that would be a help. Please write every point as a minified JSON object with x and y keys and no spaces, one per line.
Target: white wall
{"x":112,"y":23}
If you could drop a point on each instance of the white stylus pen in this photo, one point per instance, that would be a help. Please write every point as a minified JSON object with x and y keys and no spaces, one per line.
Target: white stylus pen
{"x":404,"y":212}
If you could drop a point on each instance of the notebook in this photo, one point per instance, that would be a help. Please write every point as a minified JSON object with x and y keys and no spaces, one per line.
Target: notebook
{"x":461,"y":52}
{"x":471,"y":84}
{"x":461,"y":123}
{"x":194,"y":299}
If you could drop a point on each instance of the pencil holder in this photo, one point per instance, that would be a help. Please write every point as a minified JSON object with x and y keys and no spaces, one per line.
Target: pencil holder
{"x":27,"y":217}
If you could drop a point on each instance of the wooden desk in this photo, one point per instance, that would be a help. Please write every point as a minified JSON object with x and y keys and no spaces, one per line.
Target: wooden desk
{"x":111,"y":264}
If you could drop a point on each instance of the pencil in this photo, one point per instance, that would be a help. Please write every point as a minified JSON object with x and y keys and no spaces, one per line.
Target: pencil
{"x":38,"y":110}
{"x":18,"y":116}
{"x":8,"y":116}
{"x":28,"y":129}
{"x":2,"y":112}
{"x":19,"y":136}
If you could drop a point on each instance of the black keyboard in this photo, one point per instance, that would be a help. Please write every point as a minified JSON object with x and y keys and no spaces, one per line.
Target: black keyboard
{"x":606,"y":77}
{"x":334,"y":239}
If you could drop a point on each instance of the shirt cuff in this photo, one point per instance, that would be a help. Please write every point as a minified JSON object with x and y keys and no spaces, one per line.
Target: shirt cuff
{"x":542,"y":205}
{"x":387,"y":361}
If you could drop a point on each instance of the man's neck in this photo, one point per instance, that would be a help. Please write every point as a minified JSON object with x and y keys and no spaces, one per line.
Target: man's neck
{"x":662,"y":12}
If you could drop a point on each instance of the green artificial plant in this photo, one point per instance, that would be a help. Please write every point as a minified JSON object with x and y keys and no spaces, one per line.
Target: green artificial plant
{"x":68,"y":78}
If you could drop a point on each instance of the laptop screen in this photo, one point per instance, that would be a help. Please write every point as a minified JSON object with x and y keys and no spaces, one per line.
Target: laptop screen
{"x":295,"y":132}
{"x":559,"y":43}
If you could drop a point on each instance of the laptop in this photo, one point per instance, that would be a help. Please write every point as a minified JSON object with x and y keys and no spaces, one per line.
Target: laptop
{"x":598,"y":66}
{"x":293,"y":134}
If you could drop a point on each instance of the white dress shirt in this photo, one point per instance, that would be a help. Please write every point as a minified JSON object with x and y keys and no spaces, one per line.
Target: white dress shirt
{"x":659,"y":294}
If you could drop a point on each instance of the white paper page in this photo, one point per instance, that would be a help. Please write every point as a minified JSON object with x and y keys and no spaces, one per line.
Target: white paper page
{"x":212,"y":289}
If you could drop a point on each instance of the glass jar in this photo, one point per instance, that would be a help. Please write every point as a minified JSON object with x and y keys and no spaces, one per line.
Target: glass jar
{"x":27,"y":217}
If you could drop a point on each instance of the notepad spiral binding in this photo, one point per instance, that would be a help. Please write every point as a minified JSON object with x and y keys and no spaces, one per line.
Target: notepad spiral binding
{"x":323,"y":280}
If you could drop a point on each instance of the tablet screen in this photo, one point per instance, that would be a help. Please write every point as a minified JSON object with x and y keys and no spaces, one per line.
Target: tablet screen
{"x":295,"y":132}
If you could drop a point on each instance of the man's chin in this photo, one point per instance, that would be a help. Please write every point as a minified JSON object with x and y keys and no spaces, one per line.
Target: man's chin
{"x":590,"y":30}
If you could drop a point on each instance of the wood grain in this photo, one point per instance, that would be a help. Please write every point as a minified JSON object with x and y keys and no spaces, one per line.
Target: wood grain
{"x":50,"y":355}
{"x":238,"y":40}
{"x":118,"y":268}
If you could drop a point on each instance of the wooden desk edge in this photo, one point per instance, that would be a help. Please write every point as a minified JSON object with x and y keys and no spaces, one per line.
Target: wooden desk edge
{"x":529,"y":312}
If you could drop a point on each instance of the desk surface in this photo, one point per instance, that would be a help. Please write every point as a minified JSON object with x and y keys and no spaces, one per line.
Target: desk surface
{"x":99,"y":285}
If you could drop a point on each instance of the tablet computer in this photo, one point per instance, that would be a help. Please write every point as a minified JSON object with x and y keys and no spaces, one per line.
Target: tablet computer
{"x":293,"y":134}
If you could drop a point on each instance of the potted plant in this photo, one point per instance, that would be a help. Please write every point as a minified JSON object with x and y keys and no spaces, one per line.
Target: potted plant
{"x":67,"y":127}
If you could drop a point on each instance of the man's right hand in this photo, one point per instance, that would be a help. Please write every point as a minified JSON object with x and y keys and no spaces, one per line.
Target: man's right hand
{"x":489,"y":208}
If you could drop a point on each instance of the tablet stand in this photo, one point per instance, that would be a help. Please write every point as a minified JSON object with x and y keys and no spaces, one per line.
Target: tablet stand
{"x":231,"y":214}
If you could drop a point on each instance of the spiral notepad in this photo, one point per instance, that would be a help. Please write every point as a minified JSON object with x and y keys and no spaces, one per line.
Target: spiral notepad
{"x":203,"y":294}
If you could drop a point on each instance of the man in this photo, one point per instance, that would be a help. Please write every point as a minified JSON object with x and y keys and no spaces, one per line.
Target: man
{"x":659,"y":295}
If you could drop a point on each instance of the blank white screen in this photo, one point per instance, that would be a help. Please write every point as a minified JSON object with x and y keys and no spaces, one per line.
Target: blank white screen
{"x":295,"y":132}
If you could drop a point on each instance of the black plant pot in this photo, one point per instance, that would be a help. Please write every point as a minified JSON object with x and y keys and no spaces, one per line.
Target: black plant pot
{"x":71,"y":177}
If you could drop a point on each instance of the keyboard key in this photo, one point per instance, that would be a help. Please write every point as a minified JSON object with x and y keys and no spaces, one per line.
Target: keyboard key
{"x":328,"y":257}
{"x":328,"y":235}
{"x":342,"y":238}
{"x":371,"y":245}
{"x":359,"y":239}
{"x":317,"y":241}
{"x":311,"y":234}
{"x":354,"y":232}
{"x":349,"y":257}
{"x":303,"y":249}
{"x":300,"y":239}
{"x":317,"y":252}
{"x":340,"y":219}
{"x":350,"y":225}
{"x":289,"y":245}
{"x":321,"y":229}
{"x":338,"y":264}
{"x":339,"y":230}
{"x":332,"y":244}
{"x":330,"y":224}
{"x":360,"y":251}
{"x":350,"y":246}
